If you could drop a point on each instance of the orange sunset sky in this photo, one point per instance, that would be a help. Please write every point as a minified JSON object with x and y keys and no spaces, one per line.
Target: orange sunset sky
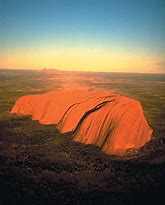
{"x":107,"y":35}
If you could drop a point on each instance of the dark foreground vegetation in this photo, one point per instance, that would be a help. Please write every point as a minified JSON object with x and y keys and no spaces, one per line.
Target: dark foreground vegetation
{"x":38,"y":165}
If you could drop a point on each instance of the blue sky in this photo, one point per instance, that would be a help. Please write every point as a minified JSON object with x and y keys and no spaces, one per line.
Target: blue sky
{"x":120,"y":26}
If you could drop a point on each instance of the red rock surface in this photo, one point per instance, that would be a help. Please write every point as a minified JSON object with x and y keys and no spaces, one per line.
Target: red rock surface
{"x":112,"y":122}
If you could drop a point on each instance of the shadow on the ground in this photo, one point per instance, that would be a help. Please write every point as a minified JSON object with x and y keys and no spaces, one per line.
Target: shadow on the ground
{"x":38,"y":165}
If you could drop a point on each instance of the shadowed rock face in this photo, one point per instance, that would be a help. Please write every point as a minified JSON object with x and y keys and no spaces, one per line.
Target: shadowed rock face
{"x":112,"y":122}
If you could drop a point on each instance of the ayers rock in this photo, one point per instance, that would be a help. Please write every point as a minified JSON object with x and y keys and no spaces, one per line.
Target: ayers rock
{"x":112,"y":122}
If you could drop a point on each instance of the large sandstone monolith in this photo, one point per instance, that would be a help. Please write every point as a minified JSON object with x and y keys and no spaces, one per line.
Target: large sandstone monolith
{"x":112,"y":122}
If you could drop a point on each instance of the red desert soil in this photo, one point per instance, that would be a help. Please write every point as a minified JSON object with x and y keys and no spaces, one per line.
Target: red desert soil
{"x":112,"y":122}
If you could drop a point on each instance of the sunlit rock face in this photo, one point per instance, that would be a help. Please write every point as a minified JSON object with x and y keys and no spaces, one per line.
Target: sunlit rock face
{"x":112,"y":122}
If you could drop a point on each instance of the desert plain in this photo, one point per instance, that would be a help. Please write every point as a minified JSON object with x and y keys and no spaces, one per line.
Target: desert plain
{"x":38,"y":165}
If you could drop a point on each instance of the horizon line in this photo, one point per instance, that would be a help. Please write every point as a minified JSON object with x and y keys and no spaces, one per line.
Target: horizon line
{"x":93,"y":71}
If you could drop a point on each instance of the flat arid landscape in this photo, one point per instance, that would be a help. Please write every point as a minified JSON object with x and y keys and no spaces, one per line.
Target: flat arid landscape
{"x":38,"y":165}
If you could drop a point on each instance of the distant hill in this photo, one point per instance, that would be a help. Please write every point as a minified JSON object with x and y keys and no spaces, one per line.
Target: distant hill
{"x":52,"y":70}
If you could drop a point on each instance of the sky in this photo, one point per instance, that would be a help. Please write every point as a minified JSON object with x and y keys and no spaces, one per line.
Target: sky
{"x":86,"y":35}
